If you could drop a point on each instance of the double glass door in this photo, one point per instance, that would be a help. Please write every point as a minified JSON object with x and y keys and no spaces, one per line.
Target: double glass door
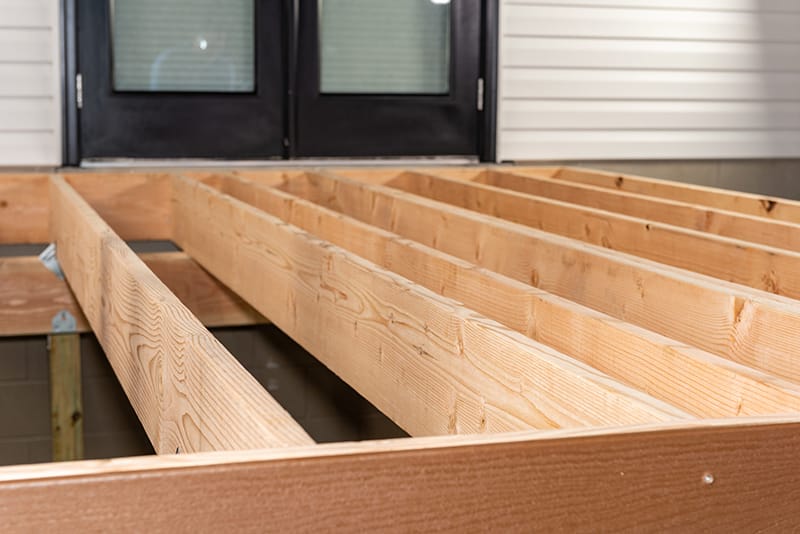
{"x":260,"y":79}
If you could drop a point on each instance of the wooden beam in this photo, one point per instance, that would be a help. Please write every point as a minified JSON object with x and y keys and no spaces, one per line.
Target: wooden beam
{"x":758,"y":266}
{"x":695,"y":381}
{"x":427,"y":362}
{"x":136,"y":204}
{"x":214,"y":304}
{"x":30,"y":295}
{"x":66,"y":403}
{"x":779,"y":234}
{"x":188,"y":391}
{"x":775,"y":208}
{"x":727,"y":476}
{"x":23,"y":208}
{"x":748,"y":326}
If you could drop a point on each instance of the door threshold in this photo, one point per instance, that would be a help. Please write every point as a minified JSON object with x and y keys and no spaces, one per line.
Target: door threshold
{"x":310,"y":162}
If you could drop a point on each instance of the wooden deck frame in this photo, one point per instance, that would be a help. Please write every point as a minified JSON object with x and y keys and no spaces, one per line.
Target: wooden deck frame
{"x":30,"y":295}
{"x":188,"y":391}
{"x":742,"y":262}
{"x":676,"y":394}
{"x":745,"y":325}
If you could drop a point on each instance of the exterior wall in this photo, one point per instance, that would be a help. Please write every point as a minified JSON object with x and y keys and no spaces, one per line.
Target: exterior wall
{"x":644,"y":79}
{"x":30,"y":83}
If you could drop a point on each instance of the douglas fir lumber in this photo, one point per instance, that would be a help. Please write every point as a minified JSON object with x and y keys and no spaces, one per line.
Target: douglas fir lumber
{"x":778,"y":234}
{"x":693,"y":380}
{"x":23,"y":208}
{"x":774,"y":208}
{"x":135,"y":205}
{"x":758,"y":266}
{"x":31,"y":295}
{"x":66,"y":399}
{"x":751,"y":327}
{"x":428,"y":363}
{"x":730,"y":475}
{"x":189,"y":392}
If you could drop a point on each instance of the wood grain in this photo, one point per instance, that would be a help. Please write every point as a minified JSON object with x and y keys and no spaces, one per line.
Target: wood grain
{"x":135,"y":204}
{"x":774,"y":208}
{"x":23,"y":208}
{"x":693,"y":380}
{"x":427,"y":362}
{"x":778,"y":234}
{"x":632,"y":479}
{"x":745,"y":325}
{"x":758,"y":266}
{"x":189,"y":392}
{"x":30,"y":295}
{"x":66,"y":402}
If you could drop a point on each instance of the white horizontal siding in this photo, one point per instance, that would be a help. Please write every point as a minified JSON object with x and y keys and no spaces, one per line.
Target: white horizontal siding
{"x":650,"y":85}
{"x":714,"y":5}
{"x":30,"y":107}
{"x":659,"y":144}
{"x":558,"y":52}
{"x":670,"y":115}
{"x":24,"y":13}
{"x":640,"y":79}
{"x":624,"y":23}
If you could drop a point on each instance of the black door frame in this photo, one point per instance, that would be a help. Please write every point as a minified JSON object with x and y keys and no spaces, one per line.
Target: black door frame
{"x":383,"y":124}
{"x":488,"y":65}
{"x":178,"y":124}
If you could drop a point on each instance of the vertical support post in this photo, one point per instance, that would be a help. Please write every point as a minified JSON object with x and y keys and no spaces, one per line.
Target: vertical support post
{"x":66,"y":406}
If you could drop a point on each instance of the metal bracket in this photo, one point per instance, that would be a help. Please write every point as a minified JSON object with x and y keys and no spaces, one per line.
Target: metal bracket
{"x":49,"y":259}
{"x":63,"y":323}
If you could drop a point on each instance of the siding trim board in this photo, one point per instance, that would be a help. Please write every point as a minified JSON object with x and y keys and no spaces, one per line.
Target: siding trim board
{"x":636,"y":79}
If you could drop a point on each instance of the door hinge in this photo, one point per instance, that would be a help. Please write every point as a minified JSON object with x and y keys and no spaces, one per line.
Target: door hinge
{"x":79,"y":90}
{"x":480,"y":94}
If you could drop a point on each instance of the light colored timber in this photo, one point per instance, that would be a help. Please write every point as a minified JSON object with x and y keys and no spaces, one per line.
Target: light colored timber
{"x":135,"y":204}
{"x":214,"y":304}
{"x":66,"y":403}
{"x":427,"y":362}
{"x":23,"y":208}
{"x":779,"y":234}
{"x":693,"y":380}
{"x":774,"y":208}
{"x":748,"y":326}
{"x":30,"y":295}
{"x":728,"y":475}
{"x":189,"y":392}
{"x":758,"y":266}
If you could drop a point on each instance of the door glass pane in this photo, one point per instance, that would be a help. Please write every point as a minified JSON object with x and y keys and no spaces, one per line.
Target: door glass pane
{"x":385,"y":46}
{"x":183,"y":45}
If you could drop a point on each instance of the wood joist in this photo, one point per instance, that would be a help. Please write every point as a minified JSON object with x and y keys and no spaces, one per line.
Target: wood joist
{"x":189,"y":393}
{"x":612,"y":323}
